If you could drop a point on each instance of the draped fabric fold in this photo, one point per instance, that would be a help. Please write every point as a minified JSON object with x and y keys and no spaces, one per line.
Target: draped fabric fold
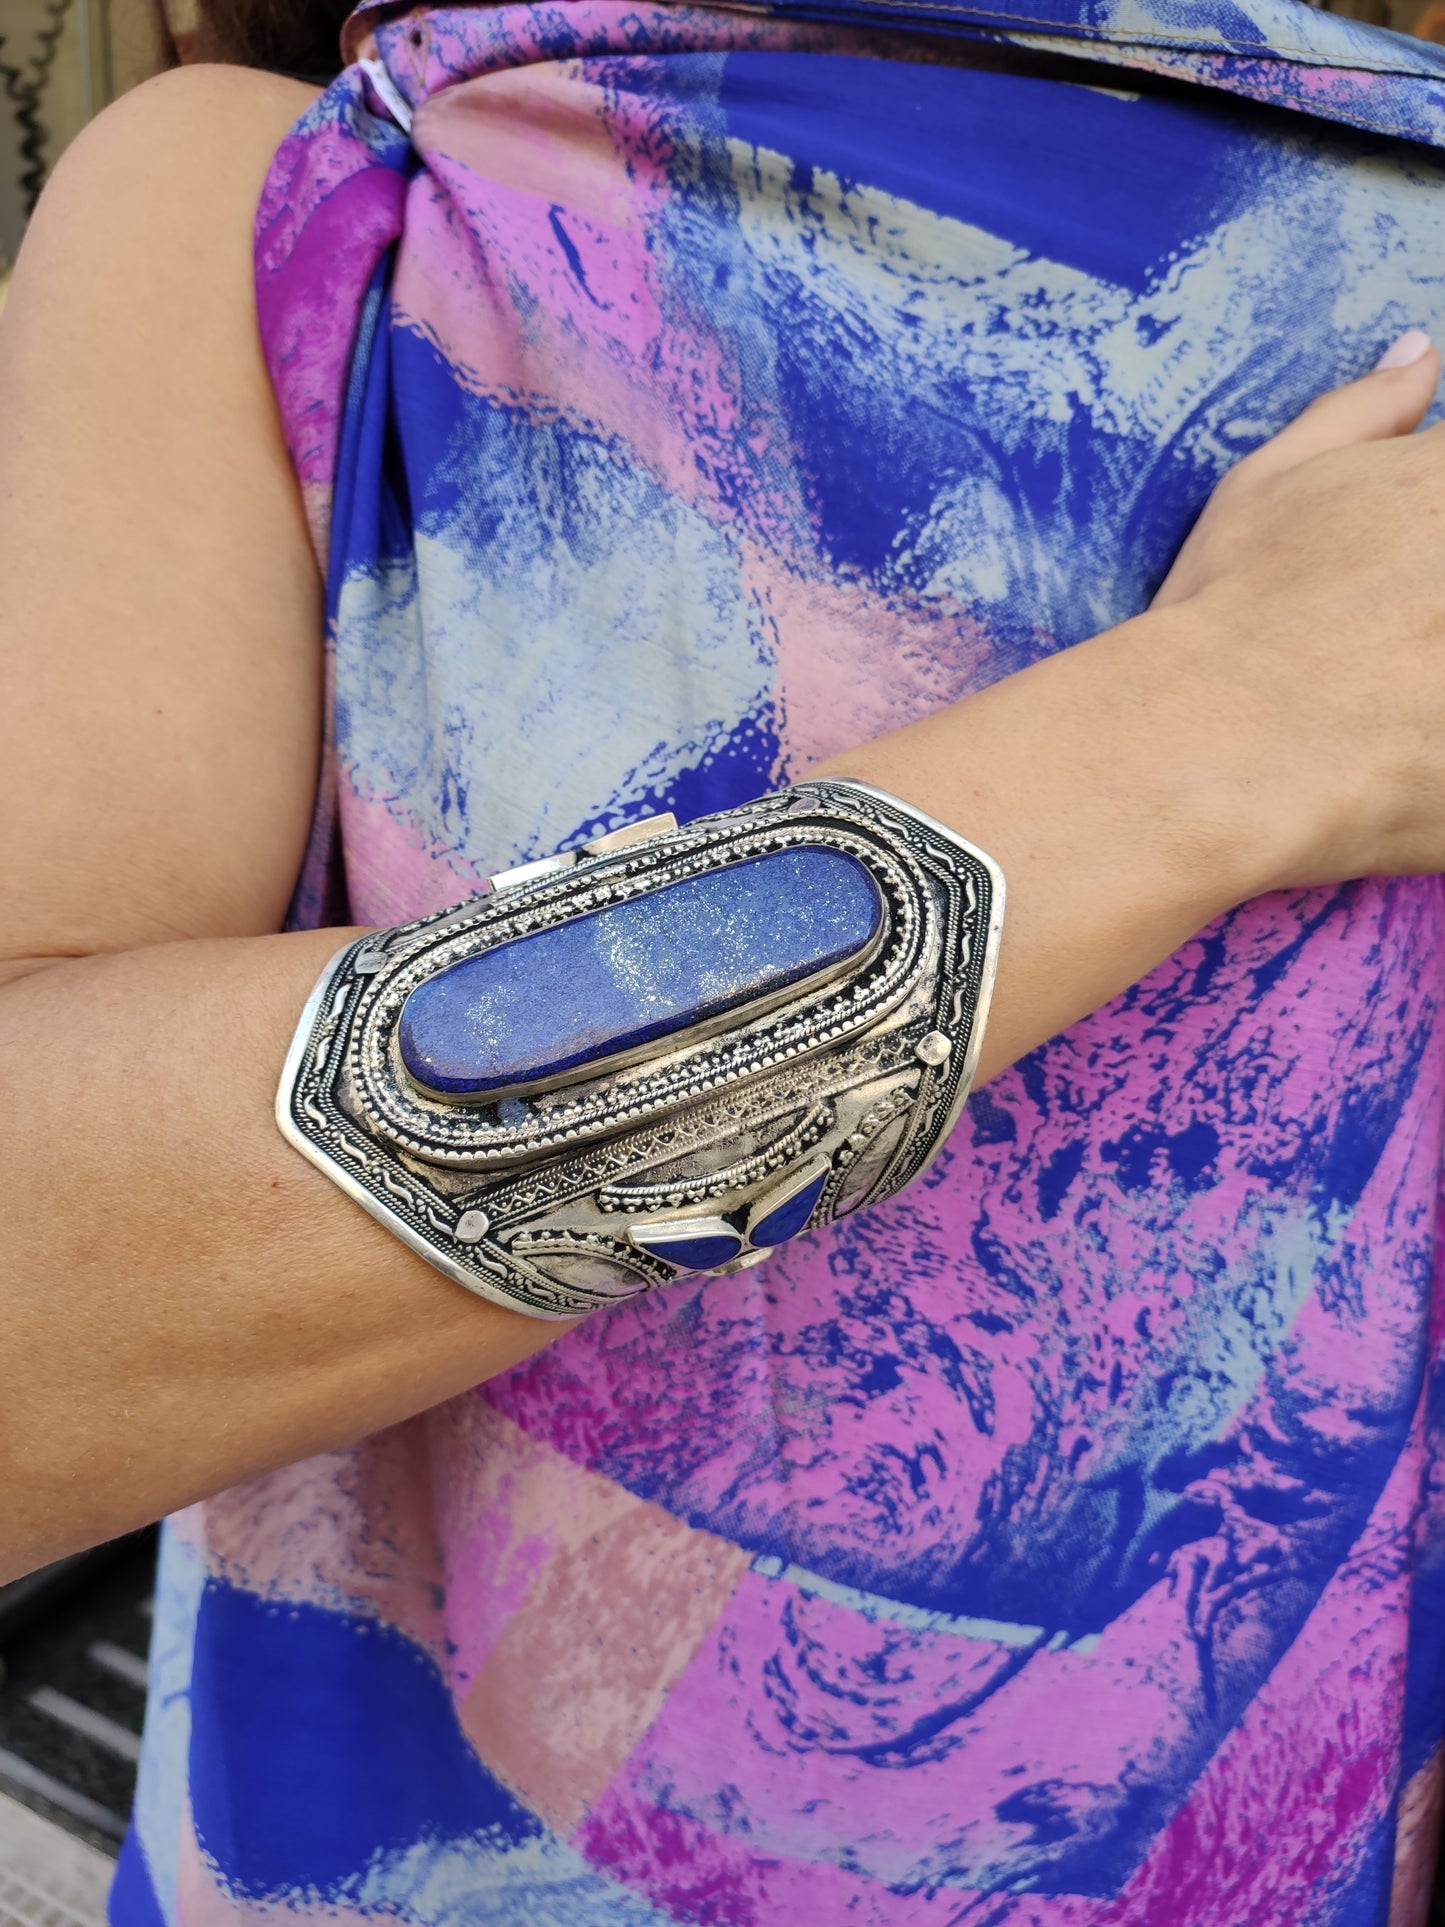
{"x":683,"y":394}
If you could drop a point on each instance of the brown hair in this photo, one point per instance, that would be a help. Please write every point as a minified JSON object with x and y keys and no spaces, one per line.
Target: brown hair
{"x":301,"y":37}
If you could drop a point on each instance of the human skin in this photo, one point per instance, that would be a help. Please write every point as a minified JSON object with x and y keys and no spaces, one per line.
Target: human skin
{"x":184,"y":1302}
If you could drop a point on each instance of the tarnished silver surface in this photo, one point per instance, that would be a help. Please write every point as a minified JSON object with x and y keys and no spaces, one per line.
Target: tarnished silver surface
{"x":545,"y":1205}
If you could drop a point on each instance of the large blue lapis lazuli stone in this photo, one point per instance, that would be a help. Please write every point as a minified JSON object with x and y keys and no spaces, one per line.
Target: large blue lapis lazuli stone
{"x":533,"y":1010}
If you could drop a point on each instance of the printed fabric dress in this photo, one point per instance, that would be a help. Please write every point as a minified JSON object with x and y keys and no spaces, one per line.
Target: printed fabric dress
{"x":682,"y":394}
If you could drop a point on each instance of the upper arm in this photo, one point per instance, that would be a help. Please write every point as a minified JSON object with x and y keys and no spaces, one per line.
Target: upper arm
{"x":160,"y":608}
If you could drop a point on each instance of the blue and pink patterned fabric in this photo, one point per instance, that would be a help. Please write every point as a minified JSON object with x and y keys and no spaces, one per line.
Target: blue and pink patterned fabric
{"x":692,"y":394}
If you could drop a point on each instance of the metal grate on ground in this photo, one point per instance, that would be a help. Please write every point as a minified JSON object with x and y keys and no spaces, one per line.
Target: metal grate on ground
{"x":48,"y":1879}
{"x":72,"y":1697}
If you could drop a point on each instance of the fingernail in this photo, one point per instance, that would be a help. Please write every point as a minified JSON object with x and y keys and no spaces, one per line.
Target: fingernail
{"x":1407,"y":350}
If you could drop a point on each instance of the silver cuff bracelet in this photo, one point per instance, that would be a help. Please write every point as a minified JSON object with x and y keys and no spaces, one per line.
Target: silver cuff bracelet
{"x":665,"y":1052}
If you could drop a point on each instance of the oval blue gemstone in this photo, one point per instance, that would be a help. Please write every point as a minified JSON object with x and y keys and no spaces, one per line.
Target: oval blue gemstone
{"x":789,"y":1218}
{"x":565,"y":999}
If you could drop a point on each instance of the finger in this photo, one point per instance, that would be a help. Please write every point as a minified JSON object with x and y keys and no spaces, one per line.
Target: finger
{"x":1391,"y":400}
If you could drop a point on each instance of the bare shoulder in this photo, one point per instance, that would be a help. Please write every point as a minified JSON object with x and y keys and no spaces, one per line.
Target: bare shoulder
{"x":161,"y":626}
{"x":163,"y":185}
{"x":171,"y":129}
{"x":143,"y":237}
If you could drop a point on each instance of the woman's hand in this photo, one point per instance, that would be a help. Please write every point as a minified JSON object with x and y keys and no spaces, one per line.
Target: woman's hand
{"x":1313,"y":592}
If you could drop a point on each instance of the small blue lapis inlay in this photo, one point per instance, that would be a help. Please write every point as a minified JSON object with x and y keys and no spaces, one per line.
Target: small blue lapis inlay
{"x":693,"y":1254}
{"x":788,"y":1219}
{"x":544,"y":1005}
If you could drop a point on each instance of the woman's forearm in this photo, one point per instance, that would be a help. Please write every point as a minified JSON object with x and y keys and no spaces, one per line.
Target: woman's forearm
{"x":1122,"y":823}
{"x":185,"y":1302}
